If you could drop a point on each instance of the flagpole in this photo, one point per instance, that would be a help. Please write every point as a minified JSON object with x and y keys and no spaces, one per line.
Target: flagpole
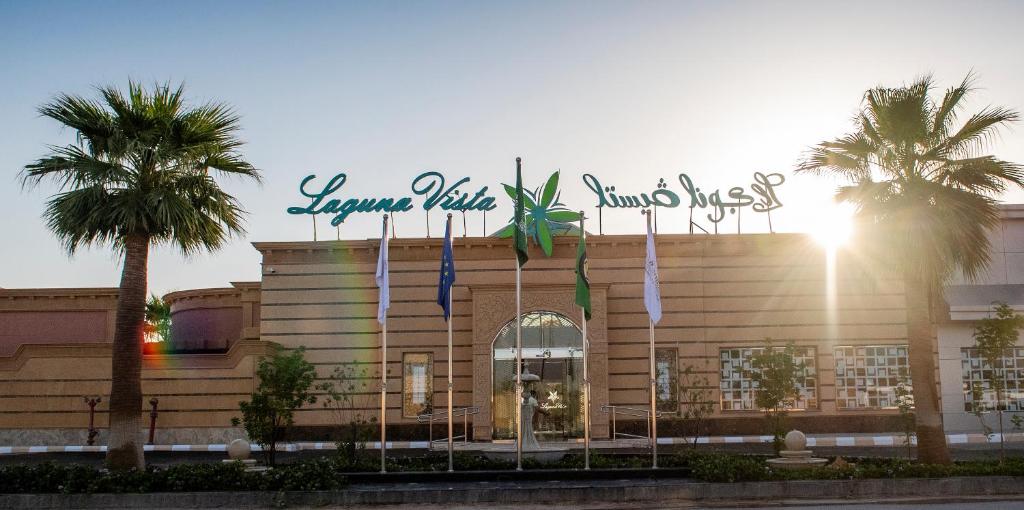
{"x":384,"y":378}
{"x":522,"y":255}
{"x":451,"y":442}
{"x":586,"y":377}
{"x":519,"y":370}
{"x":654,"y":410}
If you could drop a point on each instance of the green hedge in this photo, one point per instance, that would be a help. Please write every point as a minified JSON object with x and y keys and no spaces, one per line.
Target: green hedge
{"x":329,"y":473}
{"x":738,"y":468}
{"x":318,"y":474}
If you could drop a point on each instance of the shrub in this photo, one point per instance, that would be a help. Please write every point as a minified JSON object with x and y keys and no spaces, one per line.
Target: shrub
{"x":317,"y":474}
{"x":728,"y":468}
{"x":285,"y":380}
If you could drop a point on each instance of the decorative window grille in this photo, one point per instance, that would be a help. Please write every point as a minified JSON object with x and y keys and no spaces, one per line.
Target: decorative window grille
{"x":867,"y":375}
{"x":738,"y":389}
{"x":976,"y":372}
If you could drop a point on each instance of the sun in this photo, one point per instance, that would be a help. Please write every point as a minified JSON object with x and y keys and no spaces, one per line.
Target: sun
{"x":832,"y":227}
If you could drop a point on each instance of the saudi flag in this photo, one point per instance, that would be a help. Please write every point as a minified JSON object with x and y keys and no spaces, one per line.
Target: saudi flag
{"x":522,"y":253}
{"x":582,"y":282}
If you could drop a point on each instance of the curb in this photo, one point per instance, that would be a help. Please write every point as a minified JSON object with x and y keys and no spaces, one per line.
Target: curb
{"x":812,"y":440}
{"x":552,"y":493}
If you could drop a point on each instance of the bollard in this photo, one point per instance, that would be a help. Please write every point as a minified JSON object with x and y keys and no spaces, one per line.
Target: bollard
{"x":92,"y":419}
{"x":152,"y":419}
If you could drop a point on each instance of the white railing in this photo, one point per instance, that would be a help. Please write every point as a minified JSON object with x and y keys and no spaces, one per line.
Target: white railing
{"x":644,"y":413}
{"x":442,"y":415}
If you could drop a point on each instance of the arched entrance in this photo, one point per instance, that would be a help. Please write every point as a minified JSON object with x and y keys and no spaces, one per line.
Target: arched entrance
{"x":552,"y":350}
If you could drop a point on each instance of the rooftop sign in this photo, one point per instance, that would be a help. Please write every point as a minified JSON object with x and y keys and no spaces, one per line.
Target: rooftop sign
{"x":435,"y":191}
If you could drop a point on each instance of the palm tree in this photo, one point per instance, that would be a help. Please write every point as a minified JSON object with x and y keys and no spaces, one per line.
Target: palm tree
{"x":925,"y":198}
{"x":138,"y":175}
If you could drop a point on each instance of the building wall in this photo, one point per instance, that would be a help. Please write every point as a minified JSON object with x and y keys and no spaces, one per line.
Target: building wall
{"x":55,"y":316}
{"x":971,"y":300}
{"x":51,"y":364}
{"x":212,"y":319}
{"x":718,"y":292}
{"x":724,"y":291}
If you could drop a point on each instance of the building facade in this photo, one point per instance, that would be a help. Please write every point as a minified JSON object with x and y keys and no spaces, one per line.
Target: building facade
{"x":724,"y":297}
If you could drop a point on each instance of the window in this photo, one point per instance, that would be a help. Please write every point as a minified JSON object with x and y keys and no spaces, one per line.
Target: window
{"x":666,"y":379}
{"x":417,"y":383}
{"x":976,"y":371}
{"x":867,"y":375}
{"x":738,"y":389}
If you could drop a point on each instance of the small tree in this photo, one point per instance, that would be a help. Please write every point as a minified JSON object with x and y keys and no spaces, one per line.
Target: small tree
{"x":776,"y":373}
{"x":995,"y":338}
{"x":284,"y":383}
{"x":905,"y":404}
{"x":697,"y":403}
{"x":347,"y":395}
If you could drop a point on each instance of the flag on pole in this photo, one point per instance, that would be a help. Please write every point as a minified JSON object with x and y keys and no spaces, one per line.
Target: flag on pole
{"x":522,"y":252}
{"x":383,"y":283}
{"x":582,"y":282}
{"x":447,"y":276}
{"x":652,"y":286}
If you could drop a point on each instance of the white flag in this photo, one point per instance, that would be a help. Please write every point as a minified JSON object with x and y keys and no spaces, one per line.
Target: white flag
{"x":652,"y":287}
{"x":384,"y":300}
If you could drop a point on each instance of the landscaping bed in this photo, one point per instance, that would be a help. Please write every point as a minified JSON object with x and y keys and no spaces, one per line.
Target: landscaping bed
{"x":337,"y":472}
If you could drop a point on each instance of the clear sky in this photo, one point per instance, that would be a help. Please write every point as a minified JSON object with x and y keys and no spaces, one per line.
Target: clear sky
{"x":628,"y":91}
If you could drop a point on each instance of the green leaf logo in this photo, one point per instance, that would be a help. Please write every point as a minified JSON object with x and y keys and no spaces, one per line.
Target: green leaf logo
{"x":546,"y":217}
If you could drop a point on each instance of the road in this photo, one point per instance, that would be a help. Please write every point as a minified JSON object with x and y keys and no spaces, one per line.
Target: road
{"x":944,"y":504}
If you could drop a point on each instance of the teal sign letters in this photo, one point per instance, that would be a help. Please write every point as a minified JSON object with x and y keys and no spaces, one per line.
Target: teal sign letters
{"x":431,"y":185}
{"x":761,"y":198}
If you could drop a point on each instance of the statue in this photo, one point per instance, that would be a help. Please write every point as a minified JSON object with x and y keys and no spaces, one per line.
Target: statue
{"x":530,"y":406}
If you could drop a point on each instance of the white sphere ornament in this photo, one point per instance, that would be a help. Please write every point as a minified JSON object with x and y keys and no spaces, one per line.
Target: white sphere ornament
{"x":796,"y":441}
{"x":239,"y":449}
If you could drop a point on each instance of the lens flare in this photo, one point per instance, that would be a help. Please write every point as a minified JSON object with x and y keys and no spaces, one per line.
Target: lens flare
{"x":832,"y":227}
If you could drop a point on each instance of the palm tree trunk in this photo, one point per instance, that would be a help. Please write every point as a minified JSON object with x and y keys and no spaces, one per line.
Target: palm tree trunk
{"x":124,"y":448}
{"x":931,"y":439}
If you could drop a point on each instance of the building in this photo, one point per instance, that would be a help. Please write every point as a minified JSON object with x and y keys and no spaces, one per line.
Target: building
{"x":959,"y":365}
{"x":723,"y":296}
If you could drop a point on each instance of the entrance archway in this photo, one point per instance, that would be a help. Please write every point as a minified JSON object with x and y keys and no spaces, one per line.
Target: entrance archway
{"x":552,"y":350}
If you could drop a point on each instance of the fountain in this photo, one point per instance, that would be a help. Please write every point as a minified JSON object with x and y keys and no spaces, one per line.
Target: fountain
{"x":796,"y":455}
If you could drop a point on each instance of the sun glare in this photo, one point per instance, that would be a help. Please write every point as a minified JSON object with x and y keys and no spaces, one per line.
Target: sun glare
{"x":832,"y":226}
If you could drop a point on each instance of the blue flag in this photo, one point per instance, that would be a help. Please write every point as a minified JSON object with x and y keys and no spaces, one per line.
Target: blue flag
{"x":447,"y":277}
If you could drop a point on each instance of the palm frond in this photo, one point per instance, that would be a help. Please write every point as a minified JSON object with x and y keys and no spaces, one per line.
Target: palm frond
{"x":985,"y":175}
{"x":950,"y":106}
{"x":976,"y":133}
{"x":72,"y":167}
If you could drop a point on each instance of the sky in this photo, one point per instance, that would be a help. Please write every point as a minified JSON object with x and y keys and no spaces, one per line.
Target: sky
{"x":630,"y":92}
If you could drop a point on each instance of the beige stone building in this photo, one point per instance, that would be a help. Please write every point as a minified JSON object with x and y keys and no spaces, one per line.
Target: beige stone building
{"x":723,"y":296}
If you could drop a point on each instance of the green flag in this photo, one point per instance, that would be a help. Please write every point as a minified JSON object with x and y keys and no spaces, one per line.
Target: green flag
{"x":519,"y":243}
{"x":582,"y":282}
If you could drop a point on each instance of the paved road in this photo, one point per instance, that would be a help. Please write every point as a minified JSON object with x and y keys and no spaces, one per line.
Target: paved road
{"x":944,"y":504}
{"x":829,"y":505}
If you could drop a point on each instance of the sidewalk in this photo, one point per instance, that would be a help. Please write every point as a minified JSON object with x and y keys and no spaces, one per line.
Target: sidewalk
{"x":813,"y":440}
